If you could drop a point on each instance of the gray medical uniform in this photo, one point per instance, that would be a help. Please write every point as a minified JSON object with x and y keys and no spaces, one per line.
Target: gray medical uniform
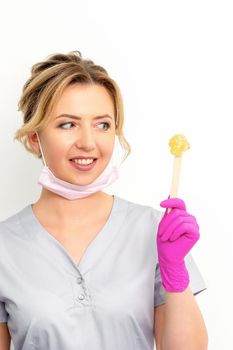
{"x":106,"y":302}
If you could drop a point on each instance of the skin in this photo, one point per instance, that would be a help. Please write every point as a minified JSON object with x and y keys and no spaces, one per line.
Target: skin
{"x":178,"y":323}
{"x":86,"y":137}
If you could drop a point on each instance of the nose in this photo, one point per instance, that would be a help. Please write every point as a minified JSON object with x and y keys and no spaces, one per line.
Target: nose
{"x":86,"y":140}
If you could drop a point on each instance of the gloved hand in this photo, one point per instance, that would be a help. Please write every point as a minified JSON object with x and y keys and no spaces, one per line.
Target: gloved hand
{"x":178,"y":231}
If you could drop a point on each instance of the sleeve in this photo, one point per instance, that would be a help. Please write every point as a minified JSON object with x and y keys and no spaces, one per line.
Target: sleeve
{"x":3,"y":313}
{"x":197,"y":283}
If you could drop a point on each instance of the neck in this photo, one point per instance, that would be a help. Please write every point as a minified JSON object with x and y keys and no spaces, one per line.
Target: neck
{"x":61,"y":210}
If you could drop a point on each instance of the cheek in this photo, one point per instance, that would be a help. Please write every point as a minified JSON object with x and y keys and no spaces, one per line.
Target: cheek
{"x":108,"y":147}
{"x":56,"y":152}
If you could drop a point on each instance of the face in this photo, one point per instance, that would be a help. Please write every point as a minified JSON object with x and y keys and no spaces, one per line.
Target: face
{"x":75,"y":131}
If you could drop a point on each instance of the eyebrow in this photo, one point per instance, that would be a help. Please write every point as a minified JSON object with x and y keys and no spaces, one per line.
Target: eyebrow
{"x":79,"y":118}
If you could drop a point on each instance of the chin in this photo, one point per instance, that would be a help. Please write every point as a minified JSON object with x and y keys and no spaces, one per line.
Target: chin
{"x":86,"y":177}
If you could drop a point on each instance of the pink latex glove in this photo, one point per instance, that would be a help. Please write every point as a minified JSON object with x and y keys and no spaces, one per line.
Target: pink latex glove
{"x":178,"y":231}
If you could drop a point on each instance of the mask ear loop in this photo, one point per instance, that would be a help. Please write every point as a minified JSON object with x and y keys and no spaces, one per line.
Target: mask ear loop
{"x":116,"y":148}
{"x":117,"y":118}
{"x":41,"y":150}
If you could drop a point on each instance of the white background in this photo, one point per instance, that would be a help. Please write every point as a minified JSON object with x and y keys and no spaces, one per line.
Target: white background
{"x":173,"y":62}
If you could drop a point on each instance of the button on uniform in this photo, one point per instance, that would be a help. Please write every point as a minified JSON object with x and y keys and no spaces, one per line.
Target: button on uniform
{"x":81,"y":296}
{"x":79,"y":280}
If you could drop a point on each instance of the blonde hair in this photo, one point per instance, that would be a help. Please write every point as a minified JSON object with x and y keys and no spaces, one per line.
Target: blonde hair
{"x":48,"y":80}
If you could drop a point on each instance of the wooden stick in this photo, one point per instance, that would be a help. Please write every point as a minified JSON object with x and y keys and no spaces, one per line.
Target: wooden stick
{"x":175,"y":178}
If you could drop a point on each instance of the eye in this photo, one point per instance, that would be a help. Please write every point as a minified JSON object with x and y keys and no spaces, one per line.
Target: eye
{"x":108,"y":125}
{"x":61,"y":125}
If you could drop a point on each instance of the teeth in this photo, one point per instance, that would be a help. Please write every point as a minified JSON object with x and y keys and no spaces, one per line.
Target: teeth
{"x":83,"y":161}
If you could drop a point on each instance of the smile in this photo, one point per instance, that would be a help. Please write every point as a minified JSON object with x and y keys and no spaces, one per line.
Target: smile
{"x":83,"y":165}
{"x":83,"y":161}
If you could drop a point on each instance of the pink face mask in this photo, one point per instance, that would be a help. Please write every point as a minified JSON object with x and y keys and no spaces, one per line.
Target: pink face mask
{"x":71,"y":191}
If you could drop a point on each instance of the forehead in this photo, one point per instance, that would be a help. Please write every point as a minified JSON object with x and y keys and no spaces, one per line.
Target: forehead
{"x":84,"y":100}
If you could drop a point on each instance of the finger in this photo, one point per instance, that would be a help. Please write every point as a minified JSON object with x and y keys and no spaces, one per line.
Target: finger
{"x":185,"y":228}
{"x":177,"y":228}
{"x":173,"y":203}
{"x":167,"y":221}
{"x":186,"y":242}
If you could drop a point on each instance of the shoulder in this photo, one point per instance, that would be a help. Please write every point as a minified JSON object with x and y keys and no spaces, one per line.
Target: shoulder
{"x":7,"y":223}
{"x":141,"y":211}
{"x":14,"y":237}
{"x":11,"y":223}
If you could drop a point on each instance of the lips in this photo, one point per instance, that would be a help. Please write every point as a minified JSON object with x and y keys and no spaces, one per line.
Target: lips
{"x":83,"y":158}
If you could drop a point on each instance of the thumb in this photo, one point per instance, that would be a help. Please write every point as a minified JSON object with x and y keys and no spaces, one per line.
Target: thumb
{"x":173,"y":203}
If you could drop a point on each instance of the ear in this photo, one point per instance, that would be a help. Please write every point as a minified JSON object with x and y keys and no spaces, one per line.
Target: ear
{"x":33,"y":140}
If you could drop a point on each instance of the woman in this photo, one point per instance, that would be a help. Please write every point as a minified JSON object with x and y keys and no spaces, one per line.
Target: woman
{"x":81,"y":269}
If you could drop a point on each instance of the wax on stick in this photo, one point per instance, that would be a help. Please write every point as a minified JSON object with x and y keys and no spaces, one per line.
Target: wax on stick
{"x":178,"y":144}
